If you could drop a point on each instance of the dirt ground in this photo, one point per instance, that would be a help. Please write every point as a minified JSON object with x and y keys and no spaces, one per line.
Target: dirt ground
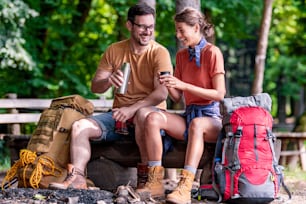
{"x":44,"y":196}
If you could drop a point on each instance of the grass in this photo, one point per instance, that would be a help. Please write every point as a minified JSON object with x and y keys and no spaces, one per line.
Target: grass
{"x":5,"y":164}
{"x":4,"y":157}
{"x":296,"y":174}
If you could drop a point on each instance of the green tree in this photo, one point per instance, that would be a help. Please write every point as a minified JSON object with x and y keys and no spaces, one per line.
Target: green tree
{"x":262,"y":47}
{"x":285,"y":74}
{"x":15,"y":60}
{"x":61,"y":47}
{"x":66,"y":41}
{"x":13,"y":16}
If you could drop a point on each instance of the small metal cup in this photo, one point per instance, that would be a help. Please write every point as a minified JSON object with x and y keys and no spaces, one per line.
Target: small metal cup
{"x":164,"y":73}
{"x":126,"y":69}
{"x":121,"y":128}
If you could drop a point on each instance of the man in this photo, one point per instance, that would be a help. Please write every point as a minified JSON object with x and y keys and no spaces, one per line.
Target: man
{"x":144,"y":93}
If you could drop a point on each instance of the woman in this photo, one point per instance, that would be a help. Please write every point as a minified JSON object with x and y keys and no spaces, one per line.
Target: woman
{"x":199,"y":77}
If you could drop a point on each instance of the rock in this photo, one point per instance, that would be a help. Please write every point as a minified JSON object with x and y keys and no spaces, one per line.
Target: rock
{"x":108,"y":175}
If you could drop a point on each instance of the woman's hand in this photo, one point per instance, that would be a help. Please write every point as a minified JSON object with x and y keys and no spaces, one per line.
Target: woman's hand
{"x":171,"y":82}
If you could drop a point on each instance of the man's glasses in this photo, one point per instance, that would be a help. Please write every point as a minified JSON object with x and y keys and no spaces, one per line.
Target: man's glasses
{"x":144,"y":27}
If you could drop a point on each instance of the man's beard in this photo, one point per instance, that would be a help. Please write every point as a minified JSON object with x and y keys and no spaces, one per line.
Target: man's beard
{"x":141,"y":42}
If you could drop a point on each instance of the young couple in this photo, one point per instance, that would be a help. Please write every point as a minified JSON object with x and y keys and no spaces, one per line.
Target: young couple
{"x":198,"y":77}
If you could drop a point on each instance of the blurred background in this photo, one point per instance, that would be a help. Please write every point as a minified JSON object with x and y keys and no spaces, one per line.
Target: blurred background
{"x":51,"y":48}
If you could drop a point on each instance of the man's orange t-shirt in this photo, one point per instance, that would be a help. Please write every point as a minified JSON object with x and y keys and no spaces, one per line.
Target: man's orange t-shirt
{"x":144,"y":69}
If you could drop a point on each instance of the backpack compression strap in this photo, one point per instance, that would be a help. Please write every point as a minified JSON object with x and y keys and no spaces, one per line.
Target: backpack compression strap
{"x":277,"y":168}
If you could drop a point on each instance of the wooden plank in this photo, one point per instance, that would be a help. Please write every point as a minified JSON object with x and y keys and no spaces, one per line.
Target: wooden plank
{"x":99,"y":104}
{"x":25,"y":103}
{"x":302,"y":151}
{"x":292,"y":152}
{"x":123,"y":152}
{"x":45,"y":103}
{"x":300,"y":137}
{"x":19,"y":118}
{"x":290,"y":135}
{"x":176,"y":111}
{"x":23,"y":118}
{"x":102,"y":103}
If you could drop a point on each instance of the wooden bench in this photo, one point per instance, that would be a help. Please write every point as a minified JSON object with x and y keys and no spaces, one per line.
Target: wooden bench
{"x":111,"y":163}
{"x":299,"y":139}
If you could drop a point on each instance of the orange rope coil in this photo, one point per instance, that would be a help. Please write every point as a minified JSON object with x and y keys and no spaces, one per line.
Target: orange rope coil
{"x":44,"y":166}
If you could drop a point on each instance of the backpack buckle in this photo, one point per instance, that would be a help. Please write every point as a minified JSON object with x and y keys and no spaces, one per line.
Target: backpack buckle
{"x":238,"y":132}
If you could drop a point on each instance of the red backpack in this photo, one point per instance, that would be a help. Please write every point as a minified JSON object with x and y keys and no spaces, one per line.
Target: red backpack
{"x":246,"y":169}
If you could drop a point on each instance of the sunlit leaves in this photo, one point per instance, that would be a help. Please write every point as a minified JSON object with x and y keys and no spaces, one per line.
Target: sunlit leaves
{"x":13,"y":15}
{"x":235,"y":20}
{"x":287,"y":48}
{"x":63,"y":44}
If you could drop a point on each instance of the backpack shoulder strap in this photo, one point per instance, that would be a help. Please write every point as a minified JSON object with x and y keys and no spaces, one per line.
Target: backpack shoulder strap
{"x":236,"y":162}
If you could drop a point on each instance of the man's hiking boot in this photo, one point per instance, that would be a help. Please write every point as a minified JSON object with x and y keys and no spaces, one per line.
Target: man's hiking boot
{"x":142,"y":175}
{"x":182,"y":193}
{"x":154,"y":185}
{"x":75,"y":179}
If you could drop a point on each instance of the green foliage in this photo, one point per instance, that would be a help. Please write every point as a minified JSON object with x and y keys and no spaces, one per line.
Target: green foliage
{"x":56,"y":52}
{"x":295,"y":174}
{"x":4,"y":155}
{"x":234,"y":21}
{"x":165,"y":32}
{"x":13,"y":16}
{"x":286,"y":61}
{"x":67,"y":39}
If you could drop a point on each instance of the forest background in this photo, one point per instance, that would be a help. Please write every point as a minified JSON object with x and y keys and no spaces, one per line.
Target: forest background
{"x":51,"y":48}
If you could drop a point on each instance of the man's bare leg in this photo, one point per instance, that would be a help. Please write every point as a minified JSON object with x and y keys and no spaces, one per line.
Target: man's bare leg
{"x":80,"y":151}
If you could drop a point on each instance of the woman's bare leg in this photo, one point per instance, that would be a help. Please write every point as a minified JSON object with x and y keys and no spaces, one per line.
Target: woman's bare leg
{"x":202,"y":129}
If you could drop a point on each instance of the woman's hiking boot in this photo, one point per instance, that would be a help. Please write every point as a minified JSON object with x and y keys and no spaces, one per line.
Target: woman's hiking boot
{"x":75,"y":179}
{"x":142,"y":175}
{"x":154,"y":185}
{"x":182,"y":193}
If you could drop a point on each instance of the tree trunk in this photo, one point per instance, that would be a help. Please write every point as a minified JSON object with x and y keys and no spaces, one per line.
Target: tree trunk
{"x":262,"y":47}
{"x":281,"y":109}
{"x":180,"y":5}
{"x":298,"y":105}
{"x":151,"y":3}
{"x":281,"y":100}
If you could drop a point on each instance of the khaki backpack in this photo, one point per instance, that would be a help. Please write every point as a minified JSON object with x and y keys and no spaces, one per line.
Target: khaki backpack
{"x":48,"y":151}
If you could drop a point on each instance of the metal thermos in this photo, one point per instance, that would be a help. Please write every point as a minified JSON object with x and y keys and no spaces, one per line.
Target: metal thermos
{"x":126,"y":69}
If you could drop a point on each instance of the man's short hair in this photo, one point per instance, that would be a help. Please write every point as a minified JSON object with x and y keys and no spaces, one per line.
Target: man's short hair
{"x":140,"y":9}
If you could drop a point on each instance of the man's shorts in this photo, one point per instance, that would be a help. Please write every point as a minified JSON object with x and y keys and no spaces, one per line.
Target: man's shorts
{"x":107,"y":125}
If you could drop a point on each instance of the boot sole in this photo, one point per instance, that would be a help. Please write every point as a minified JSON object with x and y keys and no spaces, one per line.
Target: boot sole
{"x":62,"y":187}
{"x":174,"y":201}
{"x":57,"y":187}
{"x":158,"y":195}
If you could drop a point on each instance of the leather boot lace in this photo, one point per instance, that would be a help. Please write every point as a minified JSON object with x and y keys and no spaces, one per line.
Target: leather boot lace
{"x":73,"y":173}
{"x":151,"y":180}
{"x":182,"y":185}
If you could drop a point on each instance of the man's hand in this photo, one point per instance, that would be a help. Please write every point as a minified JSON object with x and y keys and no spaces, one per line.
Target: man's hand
{"x":123,"y":114}
{"x":103,"y":80}
{"x":116,"y":78}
